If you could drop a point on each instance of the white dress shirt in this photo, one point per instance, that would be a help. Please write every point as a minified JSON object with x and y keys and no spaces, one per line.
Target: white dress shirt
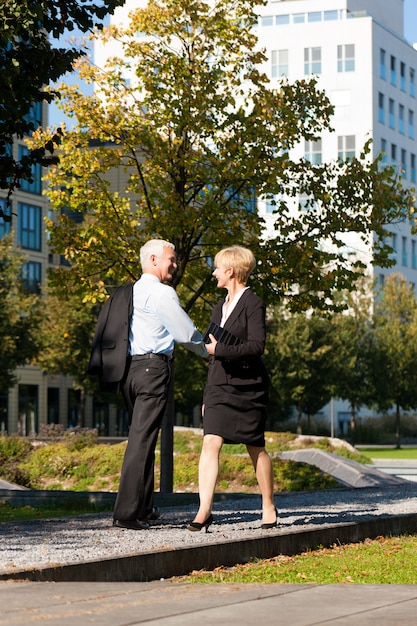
{"x":227,"y":310}
{"x":158,"y":320}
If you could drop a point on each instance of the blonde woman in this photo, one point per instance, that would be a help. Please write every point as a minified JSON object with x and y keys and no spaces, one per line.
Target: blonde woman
{"x":236,"y":394}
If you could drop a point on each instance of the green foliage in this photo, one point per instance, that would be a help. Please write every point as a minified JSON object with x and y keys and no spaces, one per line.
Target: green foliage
{"x":85,"y":465}
{"x":299,"y":359}
{"x":29,"y":61}
{"x":12,"y":451}
{"x":65,"y":334}
{"x":79,"y":466}
{"x":20,"y":316}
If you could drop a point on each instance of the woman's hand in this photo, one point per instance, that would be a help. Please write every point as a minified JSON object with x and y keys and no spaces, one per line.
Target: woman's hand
{"x":211,"y":347}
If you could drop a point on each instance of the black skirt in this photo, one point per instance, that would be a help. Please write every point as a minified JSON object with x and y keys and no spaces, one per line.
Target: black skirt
{"x":236,"y":413}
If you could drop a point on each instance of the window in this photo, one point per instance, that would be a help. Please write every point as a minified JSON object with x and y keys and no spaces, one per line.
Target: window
{"x":29,"y":220}
{"x":299,"y":18}
{"x":330,"y":15}
{"x":346,"y":147}
{"x":4,"y":413}
{"x":4,"y":224}
{"x":401,"y":120}
{"x":31,"y":275}
{"x":391,"y":113}
{"x":403,"y":80}
{"x":53,"y":405}
{"x":381,"y":111}
{"x":383,"y":151}
{"x":74,"y":404}
{"x":393,"y":70}
{"x":34,"y":117}
{"x":404,"y":256}
{"x":394,"y":246}
{"x":36,"y":185}
{"x":412,"y":83}
{"x":279,"y":63}
{"x":28,"y":410}
{"x":413,"y":254}
{"x":411,"y":123}
{"x":393,"y":153}
{"x":313,"y":151}
{"x":346,"y":58}
{"x":280,"y":20}
{"x":312,"y":60}
{"x":404,"y":162}
{"x":267,"y":20}
{"x":382,"y":65}
{"x":413,"y":168}
{"x":315,"y":16}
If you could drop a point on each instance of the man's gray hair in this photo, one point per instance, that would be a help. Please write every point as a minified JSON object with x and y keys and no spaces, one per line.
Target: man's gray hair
{"x":153,"y":247}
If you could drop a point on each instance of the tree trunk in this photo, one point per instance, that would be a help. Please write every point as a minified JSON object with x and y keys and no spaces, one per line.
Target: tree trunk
{"x":167,"y":442}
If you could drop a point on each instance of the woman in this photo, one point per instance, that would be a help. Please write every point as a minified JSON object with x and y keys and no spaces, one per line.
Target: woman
{"x":236,"y":394}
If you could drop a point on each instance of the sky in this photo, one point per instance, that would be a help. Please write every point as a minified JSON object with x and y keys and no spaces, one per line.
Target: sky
{"x":410,"y":20}
{"x":410,"y":32}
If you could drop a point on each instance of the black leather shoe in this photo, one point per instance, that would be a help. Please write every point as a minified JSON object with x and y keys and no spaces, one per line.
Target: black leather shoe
{"x":154,"y":514}
{"x":131,"y":524}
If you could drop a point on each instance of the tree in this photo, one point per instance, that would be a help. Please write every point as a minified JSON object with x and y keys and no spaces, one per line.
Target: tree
{"x":395,"y":327}
{"x":354,"y":352}
{"x":20,"y":316}
{"x":200,"y":135}
{"x":65,"y":339}
{"x":299,"y":361}
{"x":29,"y":62}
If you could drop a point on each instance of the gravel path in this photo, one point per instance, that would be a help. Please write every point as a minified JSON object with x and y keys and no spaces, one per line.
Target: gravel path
{"x":91,"y":537}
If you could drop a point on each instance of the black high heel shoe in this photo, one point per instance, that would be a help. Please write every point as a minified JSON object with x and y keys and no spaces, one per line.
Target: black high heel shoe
{"x":270,"y":524}
{"x":197,"y":526}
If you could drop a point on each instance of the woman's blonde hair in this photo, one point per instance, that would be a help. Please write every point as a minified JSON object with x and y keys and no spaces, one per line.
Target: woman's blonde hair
{"x":240,"y":259}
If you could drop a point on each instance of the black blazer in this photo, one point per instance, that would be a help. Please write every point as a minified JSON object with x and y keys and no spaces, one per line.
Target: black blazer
{"x":110,"y":346}
{"x":240,"y":364}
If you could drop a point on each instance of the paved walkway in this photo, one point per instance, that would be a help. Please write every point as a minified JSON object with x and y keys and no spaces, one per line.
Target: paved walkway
{"x":97,"y":592}
{"x":179,"y":604}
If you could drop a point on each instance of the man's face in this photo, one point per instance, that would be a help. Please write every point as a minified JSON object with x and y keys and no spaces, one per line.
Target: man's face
{"x":165,"y":265}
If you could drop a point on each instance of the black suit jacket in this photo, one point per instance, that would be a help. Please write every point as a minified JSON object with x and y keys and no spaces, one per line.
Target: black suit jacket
{"x":110,"y":346}
{"x":240,"y":364}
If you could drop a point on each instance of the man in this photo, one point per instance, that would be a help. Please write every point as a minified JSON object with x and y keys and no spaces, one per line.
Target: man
{"x":156,"y":323}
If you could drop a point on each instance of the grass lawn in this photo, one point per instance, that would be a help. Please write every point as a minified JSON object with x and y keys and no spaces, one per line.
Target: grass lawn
{"x":389,"y":453}
{"x":385,"y":560}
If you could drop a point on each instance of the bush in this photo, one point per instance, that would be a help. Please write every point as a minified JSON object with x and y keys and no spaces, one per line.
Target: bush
{"x":14,"y":450}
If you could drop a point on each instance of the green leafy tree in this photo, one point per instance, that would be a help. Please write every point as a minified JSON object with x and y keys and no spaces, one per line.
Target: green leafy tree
{"x":196,"y":135}
{"x":65,"y":337}
{"x":29,"y":61}
{"x":395,"y":328}
{"x":20,"y":316}
{"x":354,"y":352}
{"x":299,"y":361}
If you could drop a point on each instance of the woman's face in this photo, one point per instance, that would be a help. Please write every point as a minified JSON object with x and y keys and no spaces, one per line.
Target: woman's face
{"x":223,"y":276}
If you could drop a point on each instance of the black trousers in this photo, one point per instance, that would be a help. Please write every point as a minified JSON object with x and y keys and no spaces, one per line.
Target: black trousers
{"x":145,"y":391}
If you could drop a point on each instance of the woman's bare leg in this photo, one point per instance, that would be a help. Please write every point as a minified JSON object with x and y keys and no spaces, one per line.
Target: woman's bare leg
{"x":208,"y":471}
{"x":265,"y":477}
